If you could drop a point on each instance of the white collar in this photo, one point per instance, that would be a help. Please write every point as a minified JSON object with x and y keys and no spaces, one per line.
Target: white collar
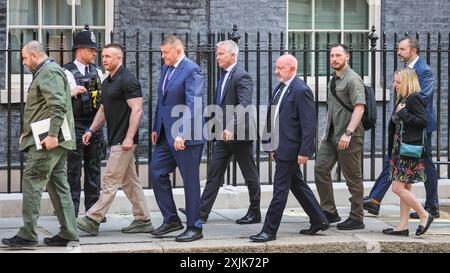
{"x":178,"y":62}
{"x":81,"y":67}
{"x":288,"y":82}
{"x":413,"y":63}
{"x":231,"y":67}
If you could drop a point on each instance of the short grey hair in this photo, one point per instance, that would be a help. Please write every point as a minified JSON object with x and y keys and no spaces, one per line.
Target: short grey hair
{"x":35,"y":46}
{"x":413,"y":42}
{"x":230,"y":46}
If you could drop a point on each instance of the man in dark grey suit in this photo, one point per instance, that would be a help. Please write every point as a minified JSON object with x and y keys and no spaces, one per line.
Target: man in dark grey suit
{"x":234,"y":89}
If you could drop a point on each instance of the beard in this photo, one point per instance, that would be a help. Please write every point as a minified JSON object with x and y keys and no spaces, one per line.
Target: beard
{"x":339,"y":66}
{"x":32,"y":67}
{"x":405,"y":59}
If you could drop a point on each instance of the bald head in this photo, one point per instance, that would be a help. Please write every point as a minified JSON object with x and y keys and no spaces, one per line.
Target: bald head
{"x":286,"y":67}
{"x":33,"y":54}
{"x":289,"y":60}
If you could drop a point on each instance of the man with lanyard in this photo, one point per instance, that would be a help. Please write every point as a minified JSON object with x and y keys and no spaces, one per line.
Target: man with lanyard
{"x":48,"y":98}
{"x":85,"y":78}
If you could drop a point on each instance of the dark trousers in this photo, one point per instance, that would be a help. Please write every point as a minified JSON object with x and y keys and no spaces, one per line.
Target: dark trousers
{"x":288,"y":176}
{"x":243,"y":152}
{"x":383,"y":181}
{"x":92,"y":156}
{"x":164,"y":161}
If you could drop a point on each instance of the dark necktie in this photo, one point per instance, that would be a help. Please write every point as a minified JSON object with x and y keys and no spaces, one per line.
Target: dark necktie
{"x":168,"y":76}
{"x":219,"y":87}
{"x":275,"y":100}
{"x":86,"y":70}
{"x":277,"y":95}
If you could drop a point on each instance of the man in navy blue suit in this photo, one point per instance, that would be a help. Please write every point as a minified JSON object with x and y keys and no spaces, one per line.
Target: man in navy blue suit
{"x":408,"y":49}
{"x":177,"y":135}
{"x":289,"y":137}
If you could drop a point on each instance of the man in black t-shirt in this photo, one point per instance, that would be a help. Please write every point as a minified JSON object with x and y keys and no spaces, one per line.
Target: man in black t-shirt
{"x":122,"y":111}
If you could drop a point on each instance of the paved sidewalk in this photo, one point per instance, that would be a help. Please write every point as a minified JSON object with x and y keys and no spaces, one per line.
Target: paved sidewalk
{"x":221,"y":235}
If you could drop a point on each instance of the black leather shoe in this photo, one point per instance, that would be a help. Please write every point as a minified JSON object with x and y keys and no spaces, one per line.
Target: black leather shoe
{"x":203,"y":219}
{"x":189,"y":235}
{"x":391,"y":231}
{"x":315,"y":228}
{"x":250,"y":218}
{"x":167,"y":228}
{"x":370,"y":206}
{"x":263,"y":237}
{"x":350,"y":224}
{"x":17,"y":241}
{"x":332,"y":217}
{"x":422,"y":229}
{"x":103,"y":220}
{"x":434,"y":212}
{"x":57,"y":241}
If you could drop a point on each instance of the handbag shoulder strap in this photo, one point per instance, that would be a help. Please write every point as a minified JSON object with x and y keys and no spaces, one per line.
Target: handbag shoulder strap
{"x":424,"y":134}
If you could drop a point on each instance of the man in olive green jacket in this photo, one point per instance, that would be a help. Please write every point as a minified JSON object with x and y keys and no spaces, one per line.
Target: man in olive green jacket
{"x":48,"y":97}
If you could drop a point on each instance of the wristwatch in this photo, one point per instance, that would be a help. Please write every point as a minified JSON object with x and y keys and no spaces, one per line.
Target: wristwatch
{"x":348,"y":132}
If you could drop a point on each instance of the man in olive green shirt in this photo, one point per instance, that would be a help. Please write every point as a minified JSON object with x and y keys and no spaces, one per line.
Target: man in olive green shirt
{"x":343,"y":141}
{"x":48,"y":97}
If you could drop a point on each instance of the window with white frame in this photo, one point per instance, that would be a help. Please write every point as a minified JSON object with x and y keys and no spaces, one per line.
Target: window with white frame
{"x":315,"y":18}
{"x":36,"y":18}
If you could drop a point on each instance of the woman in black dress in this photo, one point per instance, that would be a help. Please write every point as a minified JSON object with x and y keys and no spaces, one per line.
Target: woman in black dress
{"x":407,"y":125}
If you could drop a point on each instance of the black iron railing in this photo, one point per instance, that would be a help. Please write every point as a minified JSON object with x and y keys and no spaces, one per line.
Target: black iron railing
{"x":375,"y":65}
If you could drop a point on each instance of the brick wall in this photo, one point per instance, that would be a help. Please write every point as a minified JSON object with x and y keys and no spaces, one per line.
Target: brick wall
{"x":414,"y":16}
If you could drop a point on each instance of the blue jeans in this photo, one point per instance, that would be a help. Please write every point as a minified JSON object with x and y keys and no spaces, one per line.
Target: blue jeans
{"x":383,"y":181}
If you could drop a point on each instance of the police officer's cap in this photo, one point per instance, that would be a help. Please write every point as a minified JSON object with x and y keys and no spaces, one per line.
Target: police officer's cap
{"x":85,"y":39}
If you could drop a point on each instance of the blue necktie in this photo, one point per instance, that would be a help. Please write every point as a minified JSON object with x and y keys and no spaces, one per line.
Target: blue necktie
{"x":219,"y":87}
{"x":166,"y":80}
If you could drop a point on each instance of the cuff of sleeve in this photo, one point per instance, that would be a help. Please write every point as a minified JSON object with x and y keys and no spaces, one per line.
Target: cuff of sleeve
{"x":304,"y":153}
{"x":55,"y":126}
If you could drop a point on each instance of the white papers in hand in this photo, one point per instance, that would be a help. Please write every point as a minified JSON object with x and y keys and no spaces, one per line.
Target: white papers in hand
{"x":43,"y":126}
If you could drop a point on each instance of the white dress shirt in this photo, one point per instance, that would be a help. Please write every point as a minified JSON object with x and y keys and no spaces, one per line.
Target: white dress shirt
{"x":225,"y":79}
{"x":286,"y":87}
{"x":81,"y":68}
{"x":413,"y":63}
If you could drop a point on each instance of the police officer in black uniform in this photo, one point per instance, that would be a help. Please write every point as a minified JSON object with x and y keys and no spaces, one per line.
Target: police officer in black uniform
{"x":85,"y":80}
